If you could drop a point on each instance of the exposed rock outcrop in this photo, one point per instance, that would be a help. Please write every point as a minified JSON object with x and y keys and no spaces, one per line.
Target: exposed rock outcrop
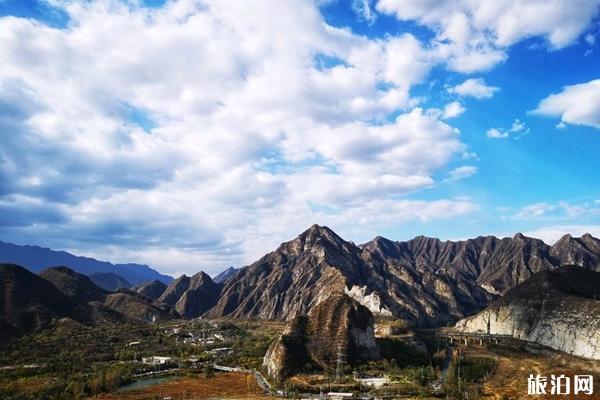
{"x":559,"y":309}
{"x":337,"y":331}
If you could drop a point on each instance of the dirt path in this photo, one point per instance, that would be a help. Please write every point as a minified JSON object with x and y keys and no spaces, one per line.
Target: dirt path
{"x":438,"y":384}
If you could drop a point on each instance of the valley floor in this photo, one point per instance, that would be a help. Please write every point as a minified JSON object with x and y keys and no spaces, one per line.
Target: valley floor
{"x":229,"y":385}
{"x":76,"y":362}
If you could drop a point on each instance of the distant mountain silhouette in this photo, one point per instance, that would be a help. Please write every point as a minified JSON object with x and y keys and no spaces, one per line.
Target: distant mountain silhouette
{"x":36,"y":259}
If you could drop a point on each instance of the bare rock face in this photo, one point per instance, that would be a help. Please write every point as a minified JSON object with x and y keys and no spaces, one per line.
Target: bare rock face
{"x":583,"y":251}
{"x":558,"y":309}
{"x":292,"y":279}
{"x":337,"y":330}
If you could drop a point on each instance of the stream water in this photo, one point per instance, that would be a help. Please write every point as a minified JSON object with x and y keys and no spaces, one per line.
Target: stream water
{"x":143,"y":383}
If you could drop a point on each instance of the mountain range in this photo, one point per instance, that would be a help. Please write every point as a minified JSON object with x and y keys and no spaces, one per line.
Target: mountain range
{"x":36,"y":259}
{"x":424,"y":281}
{"x":30,"y":302}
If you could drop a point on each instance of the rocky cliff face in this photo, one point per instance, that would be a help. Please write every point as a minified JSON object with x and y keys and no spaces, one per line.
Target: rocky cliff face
{"x":337,"y":331}
{"x":424,"y":281}
{"x":292,"y":279}
{"x":558,"y":309}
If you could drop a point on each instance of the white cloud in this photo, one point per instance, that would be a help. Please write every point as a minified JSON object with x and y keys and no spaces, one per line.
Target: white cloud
{"x":535,"y":211}
{"x":469,"y":155}
{"x":558,"y":210}
{"x":462,"y":172}
{"x":517,"y":127}
{"x":577,"y":104}
{"x":363,"y":9}
{"x":249,"y":140}
{"x":474,"y":34}
{"x":551,"y":234}
{"x":474,"y":87}
{"x":453,"y":110}
{"x":496,"y":134}
{"x":590,"y":39}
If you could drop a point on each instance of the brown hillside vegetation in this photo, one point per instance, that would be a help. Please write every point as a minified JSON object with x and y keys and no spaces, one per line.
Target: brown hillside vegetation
{"x":229,"y":385}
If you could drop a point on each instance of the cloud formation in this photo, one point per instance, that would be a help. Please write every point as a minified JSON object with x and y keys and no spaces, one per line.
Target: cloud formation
{"x":453,"y":110}
{"x":517,"y":127}
{"x":202,"y":134}
{"x":474,"y":87}
{"x":475,"y":34}
{"x":196,"y":126}
{"x":558,"y":210}
{"x":462,"y":172}
{"x":576,"y":104}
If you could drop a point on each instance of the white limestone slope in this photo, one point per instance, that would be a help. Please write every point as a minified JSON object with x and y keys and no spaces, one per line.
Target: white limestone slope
{"x":571,"y":326}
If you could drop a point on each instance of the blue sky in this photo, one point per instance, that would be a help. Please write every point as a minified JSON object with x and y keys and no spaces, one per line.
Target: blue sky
{"x":201,"y":134}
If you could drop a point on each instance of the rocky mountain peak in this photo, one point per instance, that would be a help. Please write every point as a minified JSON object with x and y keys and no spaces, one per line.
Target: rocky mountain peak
{"x":317,"y":238}
{"x":191,"y":296}
{"x":584,"y":251}
{"x":519,"y":236}
{"x":338,"y":328}
{"x":591,"y":242}
{"x":321,"y":244}
{"x":566,"y":238}
{"x":225,"y":275}
{"x":76,"y":286}
{"x":202,"y":277}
